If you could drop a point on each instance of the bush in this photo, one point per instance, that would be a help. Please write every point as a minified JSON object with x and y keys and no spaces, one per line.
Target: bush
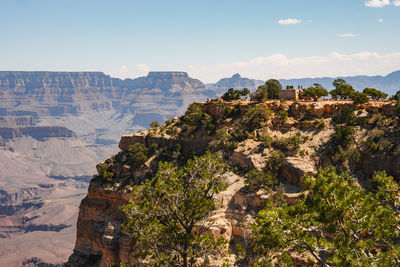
{"x":374,"y":136}
{"x":233,"y":94}
{"x":274,"y":162}
{"x":342,"y":90}
{"x":224,"y":140}
{"x":396,"y":96}
{"x":282,"y":115}
{"x":359,"y":98}
{"x":289,"y":146}
{"x":375,"y":94}
{"x":343,"y":136}
{"x":346,"y":116}
{"x":171,"y":154}
{"x":344,"y":158}
{"x":195,"y":116}
{"x":260,"y":95}
{"x":154,"y":124}
{"x":256,"y":180}
{"x":265,"y":138}
{"x":105,"y":173}
{"x":321,"y":124}
{"x":315,"y":92}
{"x":256,"y":116}
{"x":273,"y":87}
{"x":138,"y":155}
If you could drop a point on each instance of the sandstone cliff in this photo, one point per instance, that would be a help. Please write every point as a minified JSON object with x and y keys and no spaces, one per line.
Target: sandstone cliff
{"x":100,"y":239}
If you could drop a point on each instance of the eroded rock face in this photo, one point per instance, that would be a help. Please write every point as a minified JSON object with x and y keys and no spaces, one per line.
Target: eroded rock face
{"x":157,"y":96}
{"x":100,"y":240}
{"x":293,"y":169}
{"x":38,"y":133}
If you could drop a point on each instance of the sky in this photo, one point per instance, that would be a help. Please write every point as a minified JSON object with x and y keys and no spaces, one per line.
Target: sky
{"x":210,"y":39}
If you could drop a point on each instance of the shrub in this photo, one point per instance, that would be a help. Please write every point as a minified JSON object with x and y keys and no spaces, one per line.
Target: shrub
{"x":342,"y":89}
{"x":289,"y":146}
{"x":233,"y":94}
{"x":171,"y":154}
{"x":193,"y":115}
{"x":224,"y":140}
{"x":374,"y":136}
{"x":105,"y":173}
{"x":343,"y":135}
{"x":282,"y":115}
{"x":321,"y":124}
{"x":260,"y":95}
{"x":168,"y":122}
{"x":274,"y":162}
{"x":344,"y":158}
{"x":359,"y":98}
{"x":154,"y":124}
{"x":395,"y":96}
{"x":273,"y":87}
{"x":315,"y":92}
{"x":256,"y":116}
{"x":138,"y":155}
{"x":346,"y":116}
{"x":375,"y":94}
{"x":264,"y":137}
{"x":257,"y":179}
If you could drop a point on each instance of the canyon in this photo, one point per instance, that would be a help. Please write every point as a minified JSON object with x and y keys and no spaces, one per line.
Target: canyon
{"x":56,"y":126}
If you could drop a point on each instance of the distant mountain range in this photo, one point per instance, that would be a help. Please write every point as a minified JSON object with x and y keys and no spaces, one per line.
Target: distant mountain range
{"x":389,"y":83}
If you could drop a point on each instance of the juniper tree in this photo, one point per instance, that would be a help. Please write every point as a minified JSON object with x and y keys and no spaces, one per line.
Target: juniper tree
{"x":167,"y":215}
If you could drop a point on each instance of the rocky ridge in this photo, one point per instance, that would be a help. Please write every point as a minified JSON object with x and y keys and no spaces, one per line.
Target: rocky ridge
{"x":102,"y":242}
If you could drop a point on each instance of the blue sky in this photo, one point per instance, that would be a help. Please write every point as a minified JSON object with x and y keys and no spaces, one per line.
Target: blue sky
{"x":210,"y":39}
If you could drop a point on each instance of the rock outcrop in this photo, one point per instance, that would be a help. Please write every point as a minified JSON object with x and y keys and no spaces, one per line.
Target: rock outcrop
{"x":102,"y":242}
{"x":38,"y":133}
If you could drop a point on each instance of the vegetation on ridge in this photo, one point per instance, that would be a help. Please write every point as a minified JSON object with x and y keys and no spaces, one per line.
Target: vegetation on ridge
{"x":342,"y":216}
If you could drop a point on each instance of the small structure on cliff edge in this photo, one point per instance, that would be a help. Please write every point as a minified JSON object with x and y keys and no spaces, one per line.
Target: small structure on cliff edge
{"x":290,"y":93}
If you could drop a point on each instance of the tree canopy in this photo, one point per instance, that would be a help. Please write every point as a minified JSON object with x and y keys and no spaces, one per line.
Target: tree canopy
{"x":273,"y":88}
{"x":338,"y":223}
{"x":166,"y":217}
{"x":233,"y":94}
{"x":375,"y":94}
{"x":260,"y":95}
{"x":342,"y":89}
{"x":359,"y":98}
{"x":315,"y":91}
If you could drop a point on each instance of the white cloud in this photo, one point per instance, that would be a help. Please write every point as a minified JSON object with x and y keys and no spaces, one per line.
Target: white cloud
{"x":280,"y":66}
{"x":310,"y":20}
{"x":347,"y":35}
{"x":377,"y":3}
{"x":124,"y":69}
{"x":143,"y":68}
{"x":289,"y":21}
{"x":396,"y":2}
{"x":380,"y":20}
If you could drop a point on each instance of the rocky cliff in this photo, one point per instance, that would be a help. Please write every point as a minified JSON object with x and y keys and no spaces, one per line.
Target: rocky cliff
{"x":41,"y":98}
{"x":39,"y":133}
{"x":102,"y":242}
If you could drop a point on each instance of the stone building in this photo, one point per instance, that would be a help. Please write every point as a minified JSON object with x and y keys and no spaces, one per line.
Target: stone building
{"x":290,"y":93}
